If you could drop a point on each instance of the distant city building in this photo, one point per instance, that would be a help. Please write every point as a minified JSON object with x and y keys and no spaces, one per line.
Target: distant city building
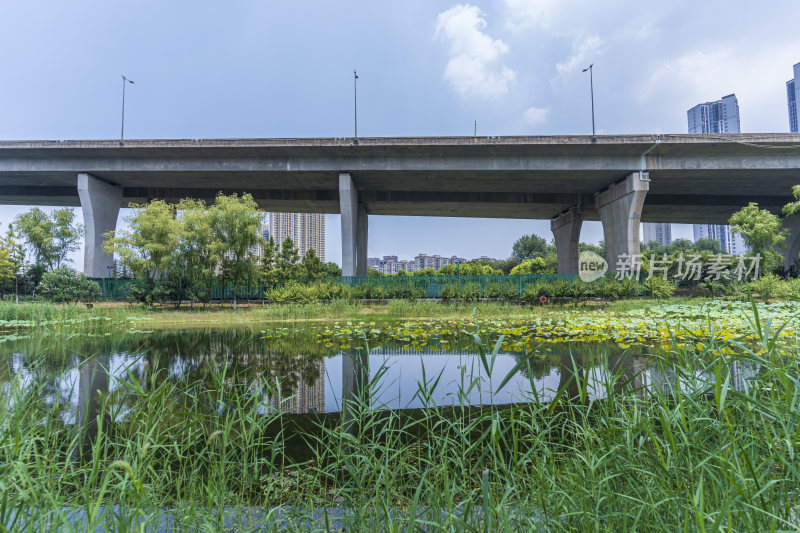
{"x":792,"y":96}
{"x":437,"y":261}
{"x":390,"y":264}
{"x":658,"y":232}
{"x":263,"y":230}
{"x":721,"y":116}
{"x":730,"y":242}
{"x":307,"y":231}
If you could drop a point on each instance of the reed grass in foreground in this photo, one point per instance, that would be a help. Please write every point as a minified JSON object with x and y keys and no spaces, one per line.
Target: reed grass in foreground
{"x":691,"y":454}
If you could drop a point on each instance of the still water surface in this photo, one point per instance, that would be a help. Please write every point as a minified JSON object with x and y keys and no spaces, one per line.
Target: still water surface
{"x":309,"y":380}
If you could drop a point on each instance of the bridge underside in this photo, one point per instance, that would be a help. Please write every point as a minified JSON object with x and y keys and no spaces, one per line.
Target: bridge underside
{"x":539,"y":198}
{"x":685,"y":179}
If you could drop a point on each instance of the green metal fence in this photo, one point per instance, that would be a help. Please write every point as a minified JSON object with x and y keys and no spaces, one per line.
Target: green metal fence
{"x":421,"y":286}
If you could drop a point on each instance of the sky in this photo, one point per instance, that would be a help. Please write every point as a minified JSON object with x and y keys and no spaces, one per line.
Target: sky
{"x":241,"y":69}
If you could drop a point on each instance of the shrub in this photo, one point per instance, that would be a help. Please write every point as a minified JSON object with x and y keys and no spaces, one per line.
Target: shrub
{"x":470,"y":292}
{"x":449,"y":292}
{"x":293,"y":292}
{"x":506,"y":291}
{"x":658,"y":287}
{"x":768,"y":286}
{"x":62,"y":285}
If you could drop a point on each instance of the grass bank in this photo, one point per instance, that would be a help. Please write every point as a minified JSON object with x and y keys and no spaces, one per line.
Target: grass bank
{"x":167,"y":317}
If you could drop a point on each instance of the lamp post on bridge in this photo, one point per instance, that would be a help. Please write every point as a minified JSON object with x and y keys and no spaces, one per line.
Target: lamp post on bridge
{"x":355,"y":103}
{"x":122,"y":130}
{"x":591,"y":88}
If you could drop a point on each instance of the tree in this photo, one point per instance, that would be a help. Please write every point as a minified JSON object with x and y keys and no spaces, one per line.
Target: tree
{"x":530,"y":246}
{"x":587,"y":247}
{"x":535,"y":265}
{"x":62,"y":285}
{"x":12,"y":260}
{"x":311,"y":265}
{"x":286,"y":261}
{"x":150,"y":245}
{"x":793,"y":208}
{"x":761,"y":231}
{"x":235,"y":221}
{"x":50,"y":238}
{"x":197,"y":249}
{"x":332,"y":270}
{"x":708,"y":245}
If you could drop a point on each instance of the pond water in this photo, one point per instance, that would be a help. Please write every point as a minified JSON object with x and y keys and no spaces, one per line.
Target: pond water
{"x":304,"y":376}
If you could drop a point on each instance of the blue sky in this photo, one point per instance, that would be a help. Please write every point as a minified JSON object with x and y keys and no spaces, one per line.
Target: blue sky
{"x":284,"y":69}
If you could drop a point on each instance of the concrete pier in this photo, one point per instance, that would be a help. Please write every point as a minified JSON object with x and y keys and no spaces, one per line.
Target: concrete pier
{"x":100,"y":202}
{"x":792,"y":250}
{"x":566,"y":229}
{"x":354,"y":228}
{"x":620,"y":210}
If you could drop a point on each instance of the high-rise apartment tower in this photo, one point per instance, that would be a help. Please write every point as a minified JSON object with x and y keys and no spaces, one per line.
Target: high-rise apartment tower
{"x":658,"y":232}
{"x":307,"y":231}
{"x":792,"y":97}
{"x":721,"y":116}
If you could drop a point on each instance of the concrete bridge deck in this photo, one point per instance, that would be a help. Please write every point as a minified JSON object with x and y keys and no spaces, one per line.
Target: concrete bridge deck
{"x":692,"y":178}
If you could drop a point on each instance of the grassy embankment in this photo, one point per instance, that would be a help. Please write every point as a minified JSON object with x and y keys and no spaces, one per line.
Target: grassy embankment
{"x":167,"y":317}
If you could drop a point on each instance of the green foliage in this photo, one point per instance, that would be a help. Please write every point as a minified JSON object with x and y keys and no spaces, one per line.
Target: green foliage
{"x":587,"y":247}
{"x":658,"y":287}
{"x":536,"y":265}
{"x":62,"y":285}
{"x":311,"y":265}
{"x":12,"y":258}
{"x":762,"y":232}
{"x":198,"y":252}
{"x":50,"y":238}
{"x":152,"y":241}
{"x":793,"y":208}
{"x":530,"y":246}
{"x":235,"y":222}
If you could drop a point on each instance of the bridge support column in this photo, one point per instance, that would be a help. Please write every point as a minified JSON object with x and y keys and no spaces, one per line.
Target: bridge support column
{"x":792,"y":250}
{"x":100,"y":202}
{"x":566,"y":229}
{"x":354,"y":228}
{"x":620,"y":210}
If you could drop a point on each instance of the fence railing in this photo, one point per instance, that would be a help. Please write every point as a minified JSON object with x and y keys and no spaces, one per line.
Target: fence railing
{"x":423,"y":286}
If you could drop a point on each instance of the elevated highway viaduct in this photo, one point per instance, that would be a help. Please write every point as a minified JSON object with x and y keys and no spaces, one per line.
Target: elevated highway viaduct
{"x":620,"y":180}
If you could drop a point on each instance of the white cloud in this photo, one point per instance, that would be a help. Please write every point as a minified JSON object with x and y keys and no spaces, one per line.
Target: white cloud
{"x":473,"y":68}
{"x":583,"y":53}
{"x":526,"y":13}
{"x":535,"y":116}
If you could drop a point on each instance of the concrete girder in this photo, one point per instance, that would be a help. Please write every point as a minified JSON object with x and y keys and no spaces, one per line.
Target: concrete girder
{"x":566,"y":229}
{"x":354,"y":228}
{"x":620,"y":210}
{"x":100,"y":202}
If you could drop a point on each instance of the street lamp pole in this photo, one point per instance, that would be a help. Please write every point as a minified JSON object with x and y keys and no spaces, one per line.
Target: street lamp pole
{"x":122,"y":130}
{"x":591,"y":87}
{"x":355,"y":102}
